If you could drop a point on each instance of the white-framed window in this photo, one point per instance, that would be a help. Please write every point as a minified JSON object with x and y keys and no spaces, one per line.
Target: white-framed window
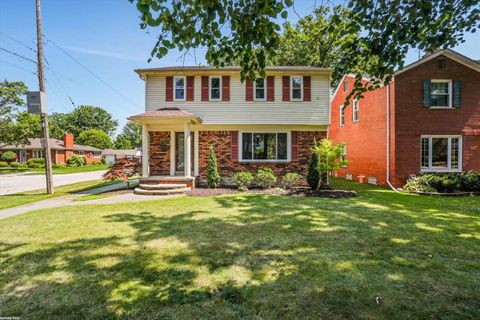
{"x":215,"y":88}
{"x":440,"y":153}
{"x":180,"y":84}
{"x":81,"y":153}
{"x":441,"y":93}
{"x":356,"y":111}
{"x":343,"y":156}
{"x":265,"y":146}
{"x":97,"y":154}
{"x":296,"y":88}
{"x":260,"y":89}
{"x":342,"y":116}
{"x":37,"y":154}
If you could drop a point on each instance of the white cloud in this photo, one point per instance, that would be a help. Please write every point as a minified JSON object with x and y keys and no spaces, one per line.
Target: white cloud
{"x":109,"y":54}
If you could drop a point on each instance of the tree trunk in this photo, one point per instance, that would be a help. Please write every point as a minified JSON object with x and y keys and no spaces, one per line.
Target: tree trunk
{"x":325,"y":181}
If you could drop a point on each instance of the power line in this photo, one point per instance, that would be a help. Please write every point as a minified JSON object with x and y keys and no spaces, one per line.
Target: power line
{"x":18,"y":67}
{"x":93,"y":74}
{"x":18,"y":55}
{"x":19,"y":42}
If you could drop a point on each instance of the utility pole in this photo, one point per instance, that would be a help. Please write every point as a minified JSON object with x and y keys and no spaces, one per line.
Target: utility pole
{"x":44,"y":115}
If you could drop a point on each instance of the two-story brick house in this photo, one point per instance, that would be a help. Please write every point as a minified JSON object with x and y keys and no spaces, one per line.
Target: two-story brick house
{"x":426,"y":120}
{"x":270,"y":122}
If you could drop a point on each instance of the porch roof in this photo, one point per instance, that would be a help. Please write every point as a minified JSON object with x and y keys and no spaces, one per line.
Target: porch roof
{"x":166,"y":114}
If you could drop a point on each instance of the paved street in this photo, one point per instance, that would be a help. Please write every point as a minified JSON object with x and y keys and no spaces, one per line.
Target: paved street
{"x":20,"y":182}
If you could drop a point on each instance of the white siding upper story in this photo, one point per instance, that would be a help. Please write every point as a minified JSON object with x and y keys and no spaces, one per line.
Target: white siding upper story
{"x":240,"y":111}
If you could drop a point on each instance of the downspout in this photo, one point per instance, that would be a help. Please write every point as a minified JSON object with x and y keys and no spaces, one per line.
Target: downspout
{"x":388,"y":140}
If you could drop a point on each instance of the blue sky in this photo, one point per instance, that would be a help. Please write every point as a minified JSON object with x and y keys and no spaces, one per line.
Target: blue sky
{"x":104,"y":36}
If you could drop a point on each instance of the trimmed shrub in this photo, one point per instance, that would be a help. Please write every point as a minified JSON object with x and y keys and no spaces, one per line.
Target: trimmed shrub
{"x":9,"y":156}
{"x":36,"y":162}
{"x":213,"y":177}
{"x":418,"y":184}
{"x":243,"y":180}
{"x":76,"y":161}
{"x":470,"y":181}
{"x":290,"y":180}
{"x":313,"y":175}
{"x":446,"y":183}
{"x":265,"y":178}
{"x":103,"y":161}
{"x":3,"y":164}
{"x":15,"y":164}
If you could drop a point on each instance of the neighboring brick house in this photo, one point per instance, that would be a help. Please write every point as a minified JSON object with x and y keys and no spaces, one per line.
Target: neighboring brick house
{"x":433,"y":116}
{"x":61,"y":150}
{"x":267,"y":123}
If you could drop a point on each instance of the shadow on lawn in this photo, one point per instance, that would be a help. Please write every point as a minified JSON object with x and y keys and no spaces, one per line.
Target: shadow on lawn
{"x":266,"y":257}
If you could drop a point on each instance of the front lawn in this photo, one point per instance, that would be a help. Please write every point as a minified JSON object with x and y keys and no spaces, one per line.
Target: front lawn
{"x":246,"y":257}
{"x":57,"y":170}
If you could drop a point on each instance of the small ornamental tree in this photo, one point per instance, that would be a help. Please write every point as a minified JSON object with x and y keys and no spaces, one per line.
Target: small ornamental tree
{"x":313,"y":175}
{"x":329,"y":160}
{"x":213,"y":177}
{"x":123,"y":169}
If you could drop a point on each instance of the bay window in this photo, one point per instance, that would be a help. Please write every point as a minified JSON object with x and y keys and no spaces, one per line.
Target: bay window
{"x":215,"y":88}
{"x":441,"y":153}
{"x":180,"y":88}
{"x":264,"y":146}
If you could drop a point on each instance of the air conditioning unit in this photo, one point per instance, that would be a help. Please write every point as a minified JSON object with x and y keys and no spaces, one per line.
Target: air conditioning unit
{"x":36,"y":102}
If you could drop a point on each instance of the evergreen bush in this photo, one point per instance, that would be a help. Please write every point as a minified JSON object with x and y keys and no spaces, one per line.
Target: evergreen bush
{"x":213,"y":177}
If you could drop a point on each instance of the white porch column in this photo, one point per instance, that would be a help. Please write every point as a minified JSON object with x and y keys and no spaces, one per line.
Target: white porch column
{"x":172,"y":153}
{"x":145,"y":151}
{"x":188,"y":151}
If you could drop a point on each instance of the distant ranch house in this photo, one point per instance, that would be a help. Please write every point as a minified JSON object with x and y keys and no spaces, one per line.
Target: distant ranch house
{"x":61,"y":150}
{"x":112,"y":155}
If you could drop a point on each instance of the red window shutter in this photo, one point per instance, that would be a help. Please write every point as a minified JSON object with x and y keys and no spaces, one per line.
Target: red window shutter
{"x":248,"y":90}
{"x":286,"y":88}
{"x":234,"y":145}
{"x":205,"y":88}
{"x":169,"y":89}
{"x":270,"y":88}
{"x":190,"y":88}
{"x":294,"y":145}
{"x":225,"y":88}
{"x":307,"y":91}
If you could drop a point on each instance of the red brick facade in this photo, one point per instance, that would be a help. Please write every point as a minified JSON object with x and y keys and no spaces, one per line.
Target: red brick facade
{"x":222,"y":143}
{"x":409,"y":120}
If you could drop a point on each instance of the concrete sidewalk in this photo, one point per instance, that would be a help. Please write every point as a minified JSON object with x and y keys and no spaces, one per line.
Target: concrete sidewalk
{"x":69,"y":200}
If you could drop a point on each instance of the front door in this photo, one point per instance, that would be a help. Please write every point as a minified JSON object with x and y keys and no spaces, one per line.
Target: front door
{"x":23,"y":156}
{"x":180,"y":152}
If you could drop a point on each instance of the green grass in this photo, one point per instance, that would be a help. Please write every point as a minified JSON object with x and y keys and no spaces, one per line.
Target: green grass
{"x":16,"y":199}
{"x":60,"y":170}
{"x":246,"y":256}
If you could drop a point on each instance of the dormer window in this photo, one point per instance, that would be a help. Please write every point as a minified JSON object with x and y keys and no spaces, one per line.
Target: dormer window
{"x":179,"y":88}
{"x":260,"y":89}
{"x":441,"y":93}
{"x":215,"y":88}
{"x":296,"y":85}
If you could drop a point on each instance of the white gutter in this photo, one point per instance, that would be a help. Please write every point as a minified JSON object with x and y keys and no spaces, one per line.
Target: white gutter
{"x":388,"y":140}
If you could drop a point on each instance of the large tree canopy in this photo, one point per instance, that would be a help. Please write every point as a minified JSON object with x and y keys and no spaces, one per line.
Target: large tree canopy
{"x":130,"y":137}
{"x":82,"y":118}
{"x":95,"y":138}
{"x":248,"y":30}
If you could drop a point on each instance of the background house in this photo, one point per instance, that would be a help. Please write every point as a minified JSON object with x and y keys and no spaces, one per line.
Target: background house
{"x":61,"y":150}
{"x":426,"y":120}
{"x":112,"y":155}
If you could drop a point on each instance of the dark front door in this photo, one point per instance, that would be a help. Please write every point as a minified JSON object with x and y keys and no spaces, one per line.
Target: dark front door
{"x":180,"y":152}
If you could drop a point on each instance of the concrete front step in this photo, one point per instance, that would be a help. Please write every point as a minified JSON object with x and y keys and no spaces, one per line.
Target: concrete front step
{"x":161,"y":192}
{"x":162,"y":186}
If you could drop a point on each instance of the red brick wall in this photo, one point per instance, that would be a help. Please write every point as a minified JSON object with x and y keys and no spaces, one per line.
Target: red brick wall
{"x":412,"y":119}
{"x":159,"y":153}
{"x":365,"y":139}
{"x":221,"y":141}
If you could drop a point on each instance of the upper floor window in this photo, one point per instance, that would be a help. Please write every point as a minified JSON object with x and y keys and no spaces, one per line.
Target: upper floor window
{"x":264,"y":146}
{"x":180,"y":88}
{"x":356,"y":110}
{"x":260,"y":89}
{"x":441,"y":64}
{"x":296,"y":85}
{"x":342,"y":116}
{"x":345,"y":86}
{"x":215,"y":88}
{"x":441,"y":93}
{"x":441,"y":153}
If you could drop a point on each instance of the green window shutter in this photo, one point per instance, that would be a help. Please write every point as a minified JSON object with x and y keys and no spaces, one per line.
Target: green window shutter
{"x":457,"y":93}
{"x":427,"y":98}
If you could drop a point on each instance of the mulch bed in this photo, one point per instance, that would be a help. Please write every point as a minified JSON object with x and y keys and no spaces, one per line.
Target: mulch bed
{"x":297,"y":192}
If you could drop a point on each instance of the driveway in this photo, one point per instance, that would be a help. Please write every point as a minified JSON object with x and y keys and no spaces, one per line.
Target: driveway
{"x":20,"y":182}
